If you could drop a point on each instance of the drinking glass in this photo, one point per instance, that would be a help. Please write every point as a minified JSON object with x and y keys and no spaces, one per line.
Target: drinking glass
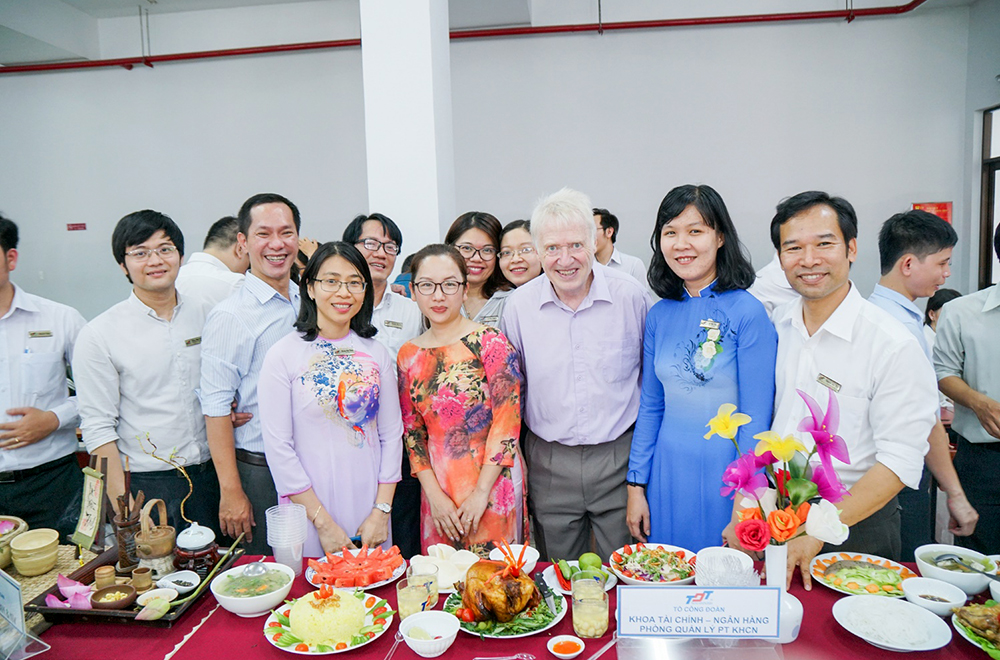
{"x":411,"y":597}
{"x":428,"y":575}
{"x":590,"y":604}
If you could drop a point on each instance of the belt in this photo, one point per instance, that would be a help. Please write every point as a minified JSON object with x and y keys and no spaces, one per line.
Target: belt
{"x":251,"y":457}
{"x":13,"y":476}
{"x":196,"y":468}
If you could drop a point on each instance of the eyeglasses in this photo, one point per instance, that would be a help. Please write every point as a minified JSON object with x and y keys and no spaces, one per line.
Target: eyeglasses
{"x":143,"y":253}
{"x":448,"y":287}
{"x":509,"y":254}
{"x":556,"y":250}
{"x":373,"y":244}
{"x":487,"y":253}
{"x":333,"y":286}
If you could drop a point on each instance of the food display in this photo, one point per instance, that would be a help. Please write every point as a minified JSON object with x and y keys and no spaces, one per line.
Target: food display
{"x":452,"y":564}
{"x":328,"y":621}
{"x":982,"y":563}
{"x":653,"y":563}
{"x":245,"y":586}
{"x":980,"y":624}
{"x":559,"y":574}
{"x":889,"y":623}
{"x":356,"y":568}
{"x":860,"y":574}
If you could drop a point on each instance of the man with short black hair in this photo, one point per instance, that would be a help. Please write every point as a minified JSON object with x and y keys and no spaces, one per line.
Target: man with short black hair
{"x":217,"y":271}
{"x":915,"y":253}
{"x":966,"y":359}
{"x":609,"y":255}
{"x":40,"y":480}
{"x":238,"y":333}
{"x":136,"y":368}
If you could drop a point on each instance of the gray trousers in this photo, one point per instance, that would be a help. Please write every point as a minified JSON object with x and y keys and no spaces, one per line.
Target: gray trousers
{"x":260,"y":490}
{"x":878,"y":534}
{"x":576,"y":491}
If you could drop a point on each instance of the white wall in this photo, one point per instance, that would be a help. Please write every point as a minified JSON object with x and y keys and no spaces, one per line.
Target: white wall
{"x":874,"y":111}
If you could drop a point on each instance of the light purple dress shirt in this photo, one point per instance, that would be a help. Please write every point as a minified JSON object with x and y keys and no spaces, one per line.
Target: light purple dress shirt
{"x":582,"y":367}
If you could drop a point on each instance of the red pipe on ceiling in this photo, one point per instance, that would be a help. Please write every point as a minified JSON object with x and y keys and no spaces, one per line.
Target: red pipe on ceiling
{"x":129,"y":62}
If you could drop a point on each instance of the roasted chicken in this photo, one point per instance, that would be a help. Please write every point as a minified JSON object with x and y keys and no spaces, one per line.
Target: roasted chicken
{"x":984,"y":620}
{"x":493,"y":593}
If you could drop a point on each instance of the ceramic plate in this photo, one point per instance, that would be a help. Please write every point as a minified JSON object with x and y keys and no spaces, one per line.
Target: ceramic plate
{"x":961,"y":631}
{"x":617,"y":568}
{"x":821,"y":562}
{"x":894,"y":625}
{"x":549,"y":575}
{"x":396,"y":573}
{"x":455,"y":601}
{"x":276,"y":626}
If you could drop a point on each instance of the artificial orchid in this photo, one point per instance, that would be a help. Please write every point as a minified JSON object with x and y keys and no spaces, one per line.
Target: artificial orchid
{"x":823,"y":429}
{"x":828,"y":484}
{"x":742,"y":476}
{"x":782,"y":449}
{"x":726,"y":423}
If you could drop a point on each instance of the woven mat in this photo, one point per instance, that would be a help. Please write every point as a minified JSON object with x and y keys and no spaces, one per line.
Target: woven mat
{"x":32,"y":586}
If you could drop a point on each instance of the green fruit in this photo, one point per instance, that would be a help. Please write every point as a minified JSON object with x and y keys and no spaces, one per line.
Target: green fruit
{"x":590,"y":560}
{"x":564,"y":568}
{"x":573,"y":569}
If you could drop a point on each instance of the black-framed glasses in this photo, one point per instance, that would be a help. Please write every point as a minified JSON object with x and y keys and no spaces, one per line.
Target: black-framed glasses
{"x":487,"y":253}
{"x":144,"y":253}
{"x":448,"y":287}
{"x":509,"y":254}
{"x":333,"y":286}
{"x":373,"y":244}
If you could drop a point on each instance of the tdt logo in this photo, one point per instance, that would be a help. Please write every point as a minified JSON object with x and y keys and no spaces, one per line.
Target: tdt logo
{"x":700,"y":597}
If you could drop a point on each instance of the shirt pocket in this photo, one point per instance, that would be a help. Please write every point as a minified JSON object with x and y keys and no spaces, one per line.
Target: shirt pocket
{"x":42,"y":372}
{"x":853,"y":420}
{"x":620,"y":359}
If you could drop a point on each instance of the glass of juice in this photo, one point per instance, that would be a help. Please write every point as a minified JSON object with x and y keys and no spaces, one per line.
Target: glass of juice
{"x":590,"y":604}
{"x":411,"y":597}
{"x":428,"y":574}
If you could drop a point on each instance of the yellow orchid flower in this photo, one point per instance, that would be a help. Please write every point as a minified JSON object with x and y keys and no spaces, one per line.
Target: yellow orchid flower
{"x":782,"y":449}
{"x":725,"y":422}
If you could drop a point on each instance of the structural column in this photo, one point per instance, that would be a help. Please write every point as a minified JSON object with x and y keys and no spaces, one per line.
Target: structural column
{"x":408,"y":132}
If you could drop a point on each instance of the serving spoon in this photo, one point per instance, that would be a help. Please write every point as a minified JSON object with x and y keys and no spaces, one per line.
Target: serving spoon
{"x":955,"y":559}
{"x":255,"y":569}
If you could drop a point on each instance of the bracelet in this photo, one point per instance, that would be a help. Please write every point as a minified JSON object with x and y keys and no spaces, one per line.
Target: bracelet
{"x":315,"y":514}
{"x":636,"y":484}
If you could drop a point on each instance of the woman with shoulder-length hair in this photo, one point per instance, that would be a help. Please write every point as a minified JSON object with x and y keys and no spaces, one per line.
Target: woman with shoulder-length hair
{"x":329,"y":407}
{"x":707,"y":343}
{"x":460,"y":393}
{"x":476,"y":235}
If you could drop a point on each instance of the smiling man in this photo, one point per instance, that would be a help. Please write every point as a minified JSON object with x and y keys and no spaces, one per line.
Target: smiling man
{"x":238,"y":333}
{"x":579,"y":333}
{"x":136,"y":368}
{"x":832,"y":339}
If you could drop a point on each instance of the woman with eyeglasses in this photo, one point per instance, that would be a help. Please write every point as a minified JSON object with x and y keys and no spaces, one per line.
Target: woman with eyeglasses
{"x":459,"y":390}
{"x":517,"y":257}
{"x":329,"y":407}
{"x":476,"y":235}
{"x":707,"y":343}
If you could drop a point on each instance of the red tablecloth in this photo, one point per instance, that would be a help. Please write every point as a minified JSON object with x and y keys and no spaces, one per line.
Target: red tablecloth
{"x":225,"y":636}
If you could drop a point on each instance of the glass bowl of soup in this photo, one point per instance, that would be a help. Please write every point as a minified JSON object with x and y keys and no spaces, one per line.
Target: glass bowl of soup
{"x":256,"y":595}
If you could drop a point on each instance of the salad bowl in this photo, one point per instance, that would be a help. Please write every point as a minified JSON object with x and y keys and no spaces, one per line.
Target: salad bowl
{"x":661,"y":564}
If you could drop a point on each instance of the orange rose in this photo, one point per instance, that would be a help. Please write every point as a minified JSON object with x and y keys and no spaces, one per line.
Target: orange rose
{"x":752,"y":513}
{"x":802,"y":512}
{"x":783,"y":524}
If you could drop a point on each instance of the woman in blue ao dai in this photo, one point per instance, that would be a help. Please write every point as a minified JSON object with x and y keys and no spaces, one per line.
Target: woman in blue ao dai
{"x":708,"y":342}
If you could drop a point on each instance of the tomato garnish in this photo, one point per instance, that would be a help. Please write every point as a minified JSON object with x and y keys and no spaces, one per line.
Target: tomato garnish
{"x":627,"y":549}
{"x":340,"y":646}
{"x":378,"y":622}
{"x":616,"y":557}
{"x":371,"y":601}
{"x":276,"y":637}
{"x":286,"y":613}
{"x":380,"y":610}
{"x":468,"y":616}
{"x":370,"y":635}
{"x":301,"y":647}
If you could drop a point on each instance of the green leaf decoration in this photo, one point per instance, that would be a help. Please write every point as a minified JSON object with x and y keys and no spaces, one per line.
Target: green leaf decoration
{"x":801,"y":490}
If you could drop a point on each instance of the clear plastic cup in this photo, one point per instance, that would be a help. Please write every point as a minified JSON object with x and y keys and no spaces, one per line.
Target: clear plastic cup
{"x":286,"y":524}
{"x":290,"y":556}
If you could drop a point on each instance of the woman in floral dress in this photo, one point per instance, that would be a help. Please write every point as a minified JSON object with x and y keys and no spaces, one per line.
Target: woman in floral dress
{"x":707,"y":343}
{"x":459,"y":385}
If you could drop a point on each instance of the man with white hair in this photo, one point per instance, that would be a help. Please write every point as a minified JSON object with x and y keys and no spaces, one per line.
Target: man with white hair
{"x":579,"y":333}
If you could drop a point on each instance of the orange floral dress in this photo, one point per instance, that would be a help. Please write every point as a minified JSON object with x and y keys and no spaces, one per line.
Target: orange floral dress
{"x":461,"y":408}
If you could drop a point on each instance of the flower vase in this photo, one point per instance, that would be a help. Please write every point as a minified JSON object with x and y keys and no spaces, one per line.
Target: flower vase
{"x":790,"y":621}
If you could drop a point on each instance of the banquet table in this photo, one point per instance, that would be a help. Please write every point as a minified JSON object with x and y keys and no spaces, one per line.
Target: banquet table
{"x":208,"y":631}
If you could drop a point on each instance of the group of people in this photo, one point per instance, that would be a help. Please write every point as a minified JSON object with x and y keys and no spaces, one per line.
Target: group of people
{"x":530,"y":388}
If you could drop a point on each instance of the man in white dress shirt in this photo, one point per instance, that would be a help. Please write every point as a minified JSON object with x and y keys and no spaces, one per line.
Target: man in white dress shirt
{"x":136,"y":367}
{"x":40,"y":480}
{"x":832,"y":339}
{"x":915,"y":256}
{"x":398,"y":320}
{"x":609,"y":255}
{"x":217,"y":271}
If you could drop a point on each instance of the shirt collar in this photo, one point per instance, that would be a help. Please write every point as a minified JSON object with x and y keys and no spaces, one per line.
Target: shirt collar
{"x":899,"y":299}
{"x":615,"y":256}
{"x":992,"y":298}
{"x":598,"y":290}
{"x":386,"y":301}
{"x":143,"y":308}
{"x":206,"y":258}
{"x":703,"y":292}
{"x":263,"y":291}
{"x":840,"y":323}
{"x":20,"y":301}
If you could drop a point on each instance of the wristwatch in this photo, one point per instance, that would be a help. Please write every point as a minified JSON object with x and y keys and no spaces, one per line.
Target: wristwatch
{"x":384,"y":507}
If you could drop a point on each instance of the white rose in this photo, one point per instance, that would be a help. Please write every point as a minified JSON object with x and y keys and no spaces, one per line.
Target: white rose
{"x":769,"y":501}
{"x":823,"y":523}
{"x":713,"y":334}
{"x":708,"y":349}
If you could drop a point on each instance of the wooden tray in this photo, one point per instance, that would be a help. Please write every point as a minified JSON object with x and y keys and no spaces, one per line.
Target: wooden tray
{"x":85,"y":574}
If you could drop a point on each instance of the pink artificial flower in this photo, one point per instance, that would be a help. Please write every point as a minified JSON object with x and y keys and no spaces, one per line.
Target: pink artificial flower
{"x":767,"y":458}
{"x":823,"y":429}
{"x":742,"y":475}
{"x":828,"y":483}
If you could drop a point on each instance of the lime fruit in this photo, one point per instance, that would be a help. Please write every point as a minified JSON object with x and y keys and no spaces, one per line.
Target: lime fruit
{"x":590,"y":560}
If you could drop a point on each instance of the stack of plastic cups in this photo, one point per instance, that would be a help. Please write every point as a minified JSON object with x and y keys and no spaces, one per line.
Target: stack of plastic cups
{"x":286,"y":533}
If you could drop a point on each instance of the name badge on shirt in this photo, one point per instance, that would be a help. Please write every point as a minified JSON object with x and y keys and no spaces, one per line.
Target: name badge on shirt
{"x":194,"y":341}
{"x":826,"y":381}
{"x":398,"y":325}
{"x":346,"y":350}
{"x":709,"y":324}
{"x":490,"y":320}
{"x":38,"y":334}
